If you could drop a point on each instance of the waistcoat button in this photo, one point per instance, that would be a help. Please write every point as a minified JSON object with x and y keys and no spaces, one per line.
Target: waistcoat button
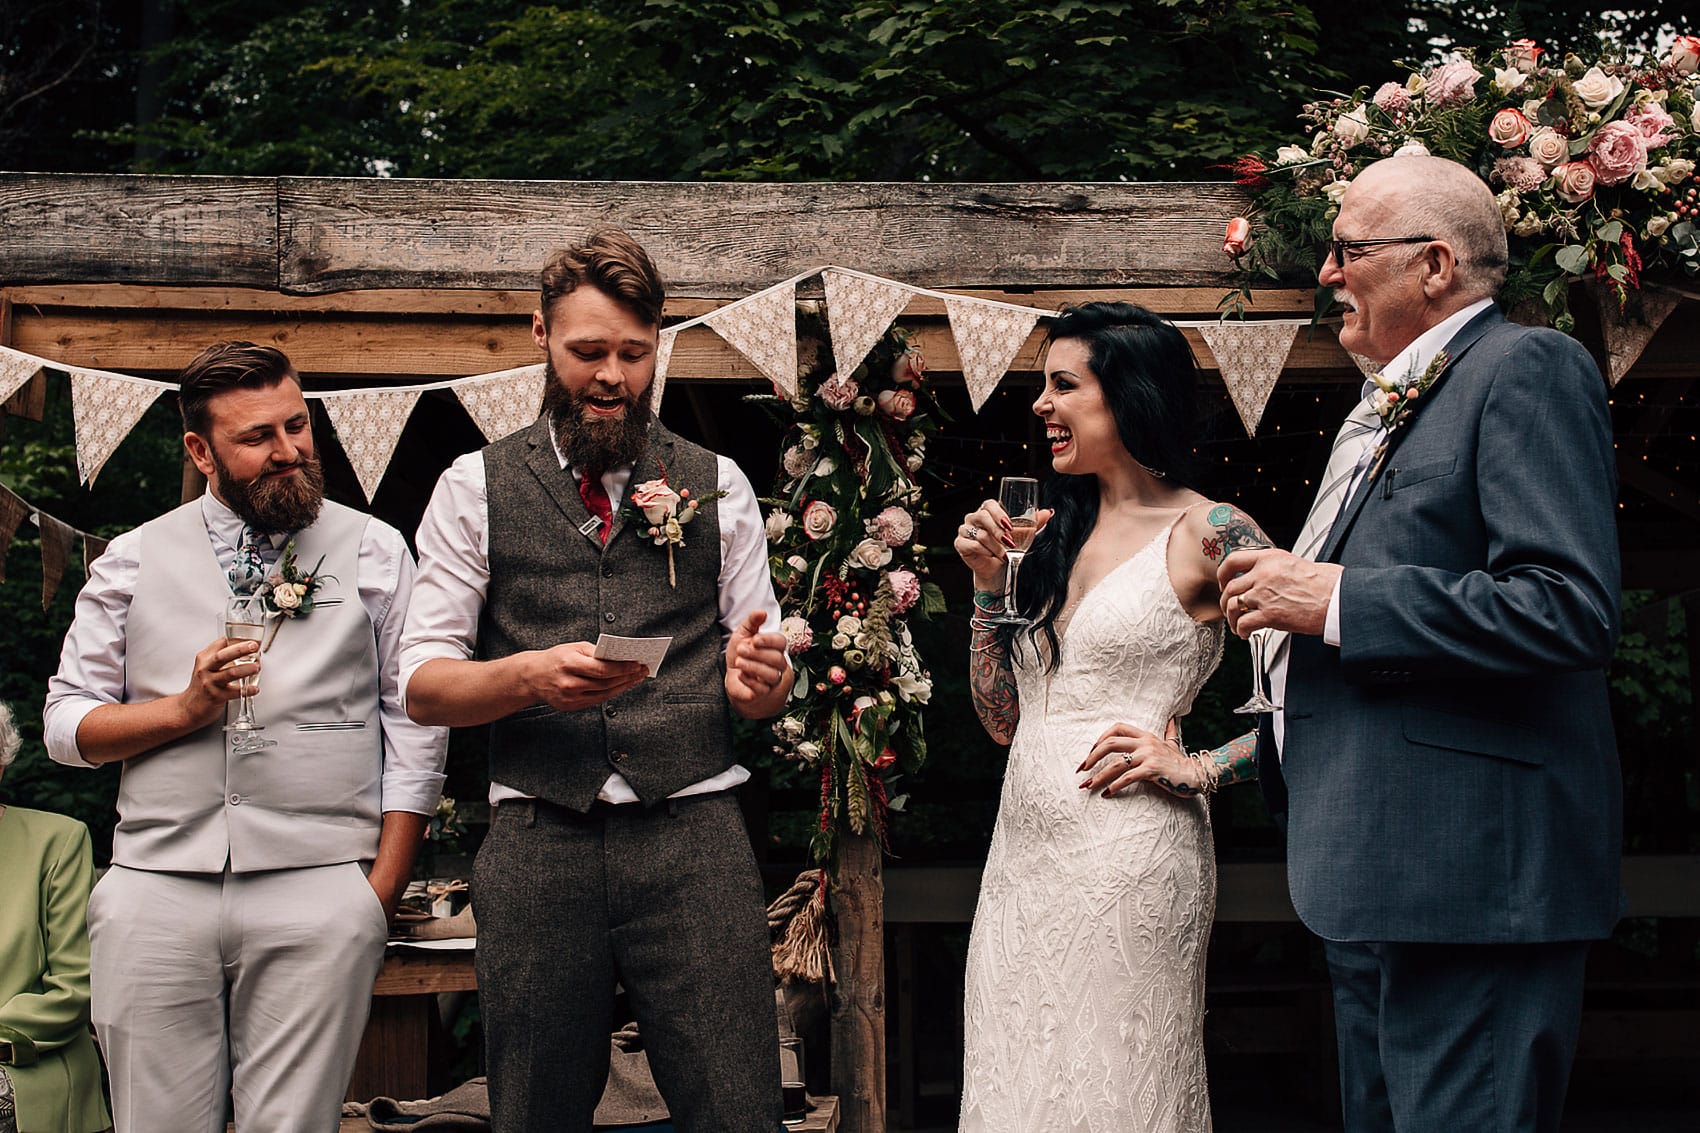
{"x":609,"y":616}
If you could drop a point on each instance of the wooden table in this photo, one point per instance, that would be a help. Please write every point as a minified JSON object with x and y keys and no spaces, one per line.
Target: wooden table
{"x":394,"y":1050}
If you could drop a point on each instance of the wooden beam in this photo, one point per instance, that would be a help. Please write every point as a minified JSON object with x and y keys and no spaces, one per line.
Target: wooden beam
{"x":138,"y":229}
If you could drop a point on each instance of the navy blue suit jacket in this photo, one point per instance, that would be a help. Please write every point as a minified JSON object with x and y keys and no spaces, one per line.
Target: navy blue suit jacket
{"x":1450,"y":772}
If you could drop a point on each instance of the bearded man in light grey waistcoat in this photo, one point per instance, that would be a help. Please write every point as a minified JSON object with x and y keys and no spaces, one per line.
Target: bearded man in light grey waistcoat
{"x":616,"y":852}
{"x":235,"y":940}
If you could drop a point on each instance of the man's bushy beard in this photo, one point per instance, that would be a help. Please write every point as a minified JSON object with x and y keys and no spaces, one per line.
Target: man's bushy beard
{"x":595,"y":444}
{"x":290,"y":503}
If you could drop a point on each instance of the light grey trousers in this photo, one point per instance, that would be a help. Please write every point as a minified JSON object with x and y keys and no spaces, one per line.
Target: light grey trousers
{"x":249,"y":986}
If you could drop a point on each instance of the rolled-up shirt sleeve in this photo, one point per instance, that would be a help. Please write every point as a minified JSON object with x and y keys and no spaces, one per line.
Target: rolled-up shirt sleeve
{"x":746,"y":583}
{"x":454,"y":548}
{"x":92,"y":658}
{"x":414,"y":755}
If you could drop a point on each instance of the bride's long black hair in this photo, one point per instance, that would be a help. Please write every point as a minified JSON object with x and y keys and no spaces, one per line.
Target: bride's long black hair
{"x":1149,"y":380}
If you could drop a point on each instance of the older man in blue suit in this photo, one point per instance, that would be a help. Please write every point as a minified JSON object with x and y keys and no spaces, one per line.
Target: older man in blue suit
{"x":1444,"y":764}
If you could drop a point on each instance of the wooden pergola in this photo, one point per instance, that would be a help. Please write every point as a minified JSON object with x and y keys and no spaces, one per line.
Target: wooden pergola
{"x":368,"y":281}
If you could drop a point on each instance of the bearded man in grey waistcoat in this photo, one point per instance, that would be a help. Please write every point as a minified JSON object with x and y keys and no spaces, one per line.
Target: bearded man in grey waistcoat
{"x":617,"y":852}
{"x":235,"y":940}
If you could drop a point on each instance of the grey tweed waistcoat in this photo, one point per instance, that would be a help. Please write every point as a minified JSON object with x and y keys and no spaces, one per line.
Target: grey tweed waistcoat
{"x":551,"y":583}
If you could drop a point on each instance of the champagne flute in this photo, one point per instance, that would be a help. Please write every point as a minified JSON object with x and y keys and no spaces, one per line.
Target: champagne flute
{"x":1259,"y":641}
{"x":1019,"y":498}
{"x":245,"y":620}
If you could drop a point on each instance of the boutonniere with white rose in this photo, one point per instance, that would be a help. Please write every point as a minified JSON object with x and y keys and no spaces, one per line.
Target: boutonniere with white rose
{"x":288,"y":592}
{"x":665,"y":512}
{"x":1395,"y":399}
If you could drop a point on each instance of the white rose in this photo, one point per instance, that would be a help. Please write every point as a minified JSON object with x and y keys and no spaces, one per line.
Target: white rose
{"x":1352,"y":127}
{"x":912,"y":687}
{"x":1411,"y":149}
{"x":1678,"y":170}
{"x":1529,"y":225}
{"x":869,"y":554}
{"x":819,"y":518}
{"x":285,"y":598}
{"x":825,"y":466}
{"x":1658,"y":226}
{"x":1596,"y":89}
{"x":808,"y":751}
{"x":849,"y":624}
{"x":1532,"y":108}
{"x":841,"y":641}
{"x":1548,"y":146}
{"x":778,"y":522}
{"x":1291,"y":155}
{"x":656,"y":500}
{"x":1335,"y":190}
{"x":789,"y":728}
{"x":1508,"y":80}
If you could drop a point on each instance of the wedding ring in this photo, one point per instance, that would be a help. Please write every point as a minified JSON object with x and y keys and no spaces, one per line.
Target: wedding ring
{"x":969,"y":531}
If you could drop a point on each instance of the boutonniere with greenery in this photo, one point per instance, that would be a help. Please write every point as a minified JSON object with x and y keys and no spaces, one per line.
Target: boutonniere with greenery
{"x":664,"y":513}
{"x":1395,"y":399}
{"x":288,"y":591}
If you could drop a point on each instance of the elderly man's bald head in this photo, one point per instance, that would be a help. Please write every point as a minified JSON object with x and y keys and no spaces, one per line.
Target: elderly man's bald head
{"x":1444,"y":200}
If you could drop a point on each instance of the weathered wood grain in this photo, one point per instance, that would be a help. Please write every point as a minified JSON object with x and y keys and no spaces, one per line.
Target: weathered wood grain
{"x":71,"y":227}
{"x":713,"y":239}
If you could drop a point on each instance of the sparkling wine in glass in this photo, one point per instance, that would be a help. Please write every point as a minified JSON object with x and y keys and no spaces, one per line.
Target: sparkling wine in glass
{"x":1259,"y":641}
{"x":245,"y":620}
{"x":1019,"y":498}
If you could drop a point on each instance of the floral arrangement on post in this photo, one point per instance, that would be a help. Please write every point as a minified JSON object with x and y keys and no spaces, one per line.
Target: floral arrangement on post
{"x":1592,"y":162}
{"x":849,"y":573}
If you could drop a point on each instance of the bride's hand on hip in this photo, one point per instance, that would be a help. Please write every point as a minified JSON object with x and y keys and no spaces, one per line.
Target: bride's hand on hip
{"x":1125,"y":755}
{"x":983,"y":539}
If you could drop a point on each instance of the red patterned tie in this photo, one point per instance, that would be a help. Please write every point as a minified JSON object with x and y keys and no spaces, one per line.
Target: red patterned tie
{"x":595,"y":498}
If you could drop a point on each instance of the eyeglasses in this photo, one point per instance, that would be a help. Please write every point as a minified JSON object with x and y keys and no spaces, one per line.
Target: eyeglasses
{"x":1339,"y":248}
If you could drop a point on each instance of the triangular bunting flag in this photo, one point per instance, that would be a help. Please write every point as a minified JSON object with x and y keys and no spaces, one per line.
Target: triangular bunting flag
{"x":1626,"y":336}
{"x":663,"y":359}
{"x":12,"y":512}
{"x":504,"y":402}
{"x":93,"y":547}
{"x":368,"y":423}
{"x":105,"y":407}
{"x":987,"y":338}
{"x":1250,"y":356}
{"x":1365,"y":367}
{"x":763,"y":328}
{"x":859,"y":310}
{"x":55,"y":553}
{"x":15,"y":370}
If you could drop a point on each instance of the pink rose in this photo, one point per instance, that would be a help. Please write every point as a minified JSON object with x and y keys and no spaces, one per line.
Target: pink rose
{"x":1548,"y":146}
{"x":839,"y":391}
{"x":897,"y":404}
{"x":1392,"y":98}
{"x":1618,"y":152}
{"x":1453,"y":83}
{"x":1652,"y":122}
{"x":892,"y":526}
{"x":1685,"y":54}
{"x":908,"y":368}
{"x":905,"y":588}
{"x":819,"y":518}
{"x":1575,"y":181}
{"x":1237,"y":237}
{"x":1509,"y":128}
{"x":1523,"y":55}
{"x":655,"y":499}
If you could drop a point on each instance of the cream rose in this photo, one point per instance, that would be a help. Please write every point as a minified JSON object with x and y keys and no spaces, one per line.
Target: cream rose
{"x":1352,"y":127}
{"x":1548,"y":146}
{"x":1509,"y":129}
{"x":778,"y":523}
{"x":1657,"y":226}
{"x":285,"y":597}
{"x":656,"y":500}
{"x":869,"y":554}
{"x":1291,"y":155}
{"x":819,"y":518}
{"x":1411,"y":149}
{"x":1335,"y":191}
{"x":1575,"y":181}
{"x":1677,"y":170}
{"x":1596,"y":89}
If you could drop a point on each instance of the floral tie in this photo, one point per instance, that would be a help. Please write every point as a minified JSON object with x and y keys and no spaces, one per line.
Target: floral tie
{"x":595,"y":498}
{"x":248,"y":570}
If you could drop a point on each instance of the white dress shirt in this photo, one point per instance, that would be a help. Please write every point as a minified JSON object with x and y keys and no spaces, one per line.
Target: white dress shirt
{"x":91,"y":663}
{"x":454,"y":553}
{"x":1414,"y":359}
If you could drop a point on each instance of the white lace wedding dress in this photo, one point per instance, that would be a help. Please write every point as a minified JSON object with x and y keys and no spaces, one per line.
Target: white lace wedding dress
{"x":1085,"y":981}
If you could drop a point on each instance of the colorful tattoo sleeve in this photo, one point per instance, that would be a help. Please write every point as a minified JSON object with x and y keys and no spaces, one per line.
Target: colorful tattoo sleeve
{"x":1232,"y":530}
{"x":991,"y":681}
{"x":1236,"y":760}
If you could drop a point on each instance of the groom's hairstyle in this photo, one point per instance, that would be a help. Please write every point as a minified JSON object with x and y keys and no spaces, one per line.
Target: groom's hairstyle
{"x":226,"y":366}
{"x":613,"y":263}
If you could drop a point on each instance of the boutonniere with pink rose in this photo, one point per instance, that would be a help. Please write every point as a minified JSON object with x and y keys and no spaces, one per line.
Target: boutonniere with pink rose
{"x":664,"y":512}
{"x":288,"y":592}
{"x":1395,"y":399}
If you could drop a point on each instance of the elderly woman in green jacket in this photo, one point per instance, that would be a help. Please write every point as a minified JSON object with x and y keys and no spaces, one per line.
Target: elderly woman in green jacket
{"x":46,"y":1054}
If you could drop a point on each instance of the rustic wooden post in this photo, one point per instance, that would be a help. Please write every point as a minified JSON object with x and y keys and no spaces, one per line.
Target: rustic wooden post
{"x":858,"y":1017}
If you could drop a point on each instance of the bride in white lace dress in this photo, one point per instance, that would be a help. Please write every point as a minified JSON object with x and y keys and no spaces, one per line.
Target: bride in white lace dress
{"x":1085,"y":988}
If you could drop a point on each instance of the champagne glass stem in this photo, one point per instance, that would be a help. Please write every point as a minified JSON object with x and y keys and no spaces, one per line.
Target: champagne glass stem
{"x":1013,"y":559}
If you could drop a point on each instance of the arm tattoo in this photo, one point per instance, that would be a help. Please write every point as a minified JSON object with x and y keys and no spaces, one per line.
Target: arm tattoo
{"x":1236,"y":760}
{"x":1234,"y":531}
{"x":991,"y":681}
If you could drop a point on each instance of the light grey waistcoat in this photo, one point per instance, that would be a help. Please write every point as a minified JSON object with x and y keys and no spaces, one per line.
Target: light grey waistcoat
{"x":315,"y":798}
